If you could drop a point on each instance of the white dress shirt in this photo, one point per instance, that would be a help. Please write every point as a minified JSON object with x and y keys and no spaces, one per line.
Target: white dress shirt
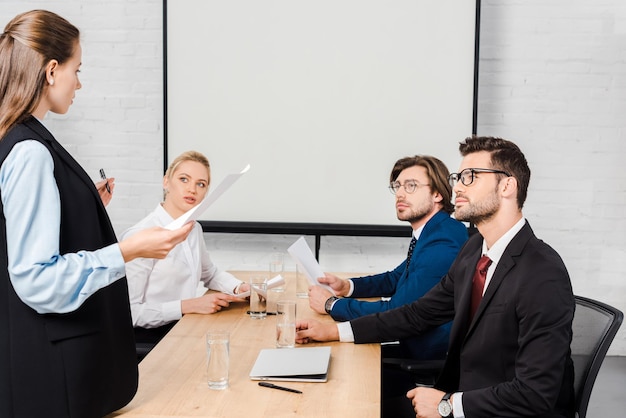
{"x":157,"y":287}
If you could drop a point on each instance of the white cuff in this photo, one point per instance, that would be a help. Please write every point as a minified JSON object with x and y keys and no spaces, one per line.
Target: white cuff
{"x":345,"y":332}
{"x":457,"y":405}
{"x":351,"y":291}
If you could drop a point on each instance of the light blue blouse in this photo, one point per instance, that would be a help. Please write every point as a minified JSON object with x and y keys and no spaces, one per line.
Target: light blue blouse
{"x":45,"y":280}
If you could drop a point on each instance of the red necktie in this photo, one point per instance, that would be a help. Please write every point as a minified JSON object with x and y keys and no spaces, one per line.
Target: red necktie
{"x":478,"y":283}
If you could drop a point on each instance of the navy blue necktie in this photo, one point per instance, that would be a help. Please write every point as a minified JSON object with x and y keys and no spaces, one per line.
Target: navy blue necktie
{"x":410,"y":253}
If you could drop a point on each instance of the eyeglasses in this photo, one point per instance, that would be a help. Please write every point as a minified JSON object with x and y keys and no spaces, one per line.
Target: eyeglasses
{"x":468,"y":175}
{"x":409,"y":186}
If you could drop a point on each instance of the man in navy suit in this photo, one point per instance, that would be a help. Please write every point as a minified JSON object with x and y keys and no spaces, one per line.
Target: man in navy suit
{"x":509,"y":352}
{"x":423,"y":198}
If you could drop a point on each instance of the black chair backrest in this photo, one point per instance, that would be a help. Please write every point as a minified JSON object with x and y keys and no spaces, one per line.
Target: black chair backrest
{"x":594,"y":327}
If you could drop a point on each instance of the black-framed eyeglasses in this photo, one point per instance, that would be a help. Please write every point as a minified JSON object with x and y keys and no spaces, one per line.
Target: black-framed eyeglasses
{"x":468,"y":175}
{"x":409,"y":186}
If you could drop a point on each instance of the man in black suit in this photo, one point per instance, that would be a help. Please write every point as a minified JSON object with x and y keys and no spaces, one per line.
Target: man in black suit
{"x":509,"y":352}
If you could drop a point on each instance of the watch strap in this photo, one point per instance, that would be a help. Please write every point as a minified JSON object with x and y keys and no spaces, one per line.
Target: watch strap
{"x":328,"y":306}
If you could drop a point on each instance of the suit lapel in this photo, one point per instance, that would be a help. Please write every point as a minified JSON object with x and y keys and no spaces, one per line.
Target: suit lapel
{"x":465,"y":265}
{"x":506,"y":263}
{"x":432,"y":222}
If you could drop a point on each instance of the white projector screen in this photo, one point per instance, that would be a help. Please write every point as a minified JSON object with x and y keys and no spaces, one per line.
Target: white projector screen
{"x":319,"y":97}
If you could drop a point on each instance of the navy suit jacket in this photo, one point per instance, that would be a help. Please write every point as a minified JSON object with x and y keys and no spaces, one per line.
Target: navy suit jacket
{"x":513,"y":358}
{"x":435,"y":250}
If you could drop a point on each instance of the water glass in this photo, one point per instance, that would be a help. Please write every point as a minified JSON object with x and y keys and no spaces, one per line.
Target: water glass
{"x":277,"y":264}
{"x":217,"y":347}
{"x":302,"y":284}
{"x":258,"y":297}
{"x":285,"y":324}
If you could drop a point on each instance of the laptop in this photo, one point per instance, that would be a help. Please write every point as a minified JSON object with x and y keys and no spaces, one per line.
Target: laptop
{"x":308,"y":364}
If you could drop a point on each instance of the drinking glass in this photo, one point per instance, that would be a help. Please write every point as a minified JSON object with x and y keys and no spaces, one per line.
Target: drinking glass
{"x":258,"y":297}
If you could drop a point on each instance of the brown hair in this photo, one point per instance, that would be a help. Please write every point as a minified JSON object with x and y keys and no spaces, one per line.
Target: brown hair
{"x":29,"y":42}
{"x":436,"y":171}
{"x":505,"y":156}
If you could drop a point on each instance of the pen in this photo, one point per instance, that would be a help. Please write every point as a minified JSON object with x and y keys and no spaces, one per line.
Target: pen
{"x":273,"y":386}
{"x":104,"y":177}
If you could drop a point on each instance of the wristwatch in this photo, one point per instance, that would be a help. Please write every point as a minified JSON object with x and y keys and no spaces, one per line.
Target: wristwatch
{"x":329,"y":303}
{"x":445,"y":406}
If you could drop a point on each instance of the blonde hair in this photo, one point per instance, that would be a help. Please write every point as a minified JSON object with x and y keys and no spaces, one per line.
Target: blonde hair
{"x":29,"y":42}
{"x":187,"y":156}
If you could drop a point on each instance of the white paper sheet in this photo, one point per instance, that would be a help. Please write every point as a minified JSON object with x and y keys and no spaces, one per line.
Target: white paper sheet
{"x":272,"y":283}
{"x":303,"y":255}
{"x":195,"y":212}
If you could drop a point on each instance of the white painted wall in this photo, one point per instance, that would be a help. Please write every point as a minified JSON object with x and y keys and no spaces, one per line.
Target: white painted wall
{"x":552,"y":79}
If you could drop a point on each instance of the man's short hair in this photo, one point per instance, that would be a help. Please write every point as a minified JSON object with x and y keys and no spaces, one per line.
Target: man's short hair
{"x":505,"y":156}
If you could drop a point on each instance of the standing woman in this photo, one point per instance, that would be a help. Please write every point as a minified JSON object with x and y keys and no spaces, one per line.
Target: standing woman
{"x":66,"y":338}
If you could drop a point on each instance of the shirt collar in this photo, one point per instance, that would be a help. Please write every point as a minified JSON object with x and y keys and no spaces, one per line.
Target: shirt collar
{"x":497,"y":249}
{"x":417,"y":232}
{"x":164,"y":217}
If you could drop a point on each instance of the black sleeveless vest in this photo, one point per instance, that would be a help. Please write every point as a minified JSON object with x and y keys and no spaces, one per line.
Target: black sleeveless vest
{"x":79,"y":364}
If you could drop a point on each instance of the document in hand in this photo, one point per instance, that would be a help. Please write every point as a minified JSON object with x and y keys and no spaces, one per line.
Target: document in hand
{"x":272,"y":283}
{"x":195,"y":212}
{"x":307,"y":263}
{"x":292,"y":364}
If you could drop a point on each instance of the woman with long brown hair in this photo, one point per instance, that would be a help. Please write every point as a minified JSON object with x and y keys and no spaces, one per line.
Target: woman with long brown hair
{"x":66,"y":338}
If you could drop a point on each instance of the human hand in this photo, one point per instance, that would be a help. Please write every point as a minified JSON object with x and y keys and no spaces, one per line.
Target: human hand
{"x":102,"y":189}
{"x":243,"y":287}
{"x":308,"y":330}
{"x":317,"y":298}
{"x":207,"y":304}
{"x":340,"y":287}
{"x":425,"y":401}
{"x":155,"y":242}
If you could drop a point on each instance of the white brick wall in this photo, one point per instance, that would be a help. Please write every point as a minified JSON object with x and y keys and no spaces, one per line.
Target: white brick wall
{"x":116,"y":121}
{"x":552,"y":79}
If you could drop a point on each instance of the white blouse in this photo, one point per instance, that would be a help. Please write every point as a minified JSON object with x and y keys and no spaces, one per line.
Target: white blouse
{"x":157,"y":287}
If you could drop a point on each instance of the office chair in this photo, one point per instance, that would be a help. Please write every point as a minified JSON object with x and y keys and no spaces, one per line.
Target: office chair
{"x":423,"y":372}
{"x":594,"y":327}
{"x":142,"y":350}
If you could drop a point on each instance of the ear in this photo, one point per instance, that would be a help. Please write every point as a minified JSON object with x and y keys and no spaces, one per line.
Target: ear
{"x":166,"y":183}
{"x":437,"y":198}
{"x":509,"y":187}
{"x":51,"y":67}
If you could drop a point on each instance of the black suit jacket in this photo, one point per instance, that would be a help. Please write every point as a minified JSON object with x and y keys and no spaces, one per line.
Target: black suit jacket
{"x":513,"y":359}
{"x":83,"y":363}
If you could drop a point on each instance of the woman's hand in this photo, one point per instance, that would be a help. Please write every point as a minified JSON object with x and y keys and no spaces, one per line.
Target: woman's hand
{"x":208,"y":303}
{"x":155,"y":242}
{"x":105,"y":195}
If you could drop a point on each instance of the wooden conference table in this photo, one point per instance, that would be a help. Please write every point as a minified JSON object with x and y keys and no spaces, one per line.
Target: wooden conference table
{"x":172,"y":378}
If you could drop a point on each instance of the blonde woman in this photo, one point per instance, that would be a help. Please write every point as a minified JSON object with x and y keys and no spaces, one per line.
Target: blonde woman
{"x":162,"y":291}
